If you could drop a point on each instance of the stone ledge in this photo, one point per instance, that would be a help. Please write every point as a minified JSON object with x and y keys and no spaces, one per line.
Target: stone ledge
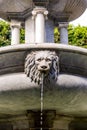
{"x":73,"y":60}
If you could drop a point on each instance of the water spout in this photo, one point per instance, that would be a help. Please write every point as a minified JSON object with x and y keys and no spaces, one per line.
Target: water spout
{"x":41,"y":100}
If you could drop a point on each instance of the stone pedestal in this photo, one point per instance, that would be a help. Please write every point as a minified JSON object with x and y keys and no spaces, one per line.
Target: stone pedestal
{"x":61,"y":125}
{"x":63,"y":32}
{"x":21,"y":124}
{"x":15,"y":32}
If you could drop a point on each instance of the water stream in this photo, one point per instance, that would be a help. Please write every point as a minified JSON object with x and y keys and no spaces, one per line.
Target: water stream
{"x":41,"y":101}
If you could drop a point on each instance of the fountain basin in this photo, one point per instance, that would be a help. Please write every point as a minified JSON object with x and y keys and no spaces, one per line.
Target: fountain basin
{"x":68,"y":96}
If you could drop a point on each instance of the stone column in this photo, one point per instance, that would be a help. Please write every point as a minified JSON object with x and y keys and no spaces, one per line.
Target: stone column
{"x":15,"y":32}
{"x":39,"y":15}
{"x":49,"y":27}
{"x":63,"y":33}
{"x":29,"y":31}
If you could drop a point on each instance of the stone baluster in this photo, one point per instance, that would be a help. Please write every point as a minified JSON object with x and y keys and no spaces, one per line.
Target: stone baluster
{"x":15,"y":32}
{"x":63,"y":32}
{"x":39,"y":15}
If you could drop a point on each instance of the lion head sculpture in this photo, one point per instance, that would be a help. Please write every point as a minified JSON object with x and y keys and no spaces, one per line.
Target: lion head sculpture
{"x":38,"y":62}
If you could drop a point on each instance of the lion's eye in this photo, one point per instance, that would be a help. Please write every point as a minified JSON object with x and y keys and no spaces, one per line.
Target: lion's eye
{"x":39,"y":59}
{"x":48,"y":59}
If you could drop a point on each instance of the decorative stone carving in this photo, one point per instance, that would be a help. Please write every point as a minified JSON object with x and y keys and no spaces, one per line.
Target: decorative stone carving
{"x":39,"y":10}
{"x":39,"y":62}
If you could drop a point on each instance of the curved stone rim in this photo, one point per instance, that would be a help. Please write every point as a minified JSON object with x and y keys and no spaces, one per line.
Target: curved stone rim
{"x":37,"y":46}
{"x":73,"y":59}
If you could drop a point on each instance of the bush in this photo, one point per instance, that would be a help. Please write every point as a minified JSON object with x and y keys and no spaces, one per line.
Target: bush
{"x":5,"y":33}
{"x":22,"y":35}
{"x":56,"y":35}
{"x":77,"y":35}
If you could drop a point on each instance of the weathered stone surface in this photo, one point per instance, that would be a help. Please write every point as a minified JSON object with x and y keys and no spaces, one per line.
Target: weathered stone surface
{"x":61,"y":10}
{"x":67,"y":96}
{"x":20,"y":98}
{"x":72,"y":60}
{"x":44,"y":63}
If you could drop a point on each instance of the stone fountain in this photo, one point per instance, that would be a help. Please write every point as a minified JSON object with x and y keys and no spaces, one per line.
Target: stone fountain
{"x":21,"y":67}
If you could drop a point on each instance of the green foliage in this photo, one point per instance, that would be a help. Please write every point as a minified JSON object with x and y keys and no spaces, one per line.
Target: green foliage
{"x":5,"y":33}
{"x":22,"y":36}
{"x":56,"y":35}
{"x":77,"y":35}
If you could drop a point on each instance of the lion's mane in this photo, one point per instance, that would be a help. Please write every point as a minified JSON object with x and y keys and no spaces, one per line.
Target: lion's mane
{"x":35,"y":75}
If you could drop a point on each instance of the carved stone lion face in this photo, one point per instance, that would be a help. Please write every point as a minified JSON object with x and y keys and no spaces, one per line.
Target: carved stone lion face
{"x":43,"y":61}
{"x":39,"y":62}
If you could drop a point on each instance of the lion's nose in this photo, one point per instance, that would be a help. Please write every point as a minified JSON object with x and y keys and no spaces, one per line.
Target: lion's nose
{"x":44,"y":67}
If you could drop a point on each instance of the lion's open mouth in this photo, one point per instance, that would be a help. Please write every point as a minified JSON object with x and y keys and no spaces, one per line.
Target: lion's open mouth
{"x":44,"y":70}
